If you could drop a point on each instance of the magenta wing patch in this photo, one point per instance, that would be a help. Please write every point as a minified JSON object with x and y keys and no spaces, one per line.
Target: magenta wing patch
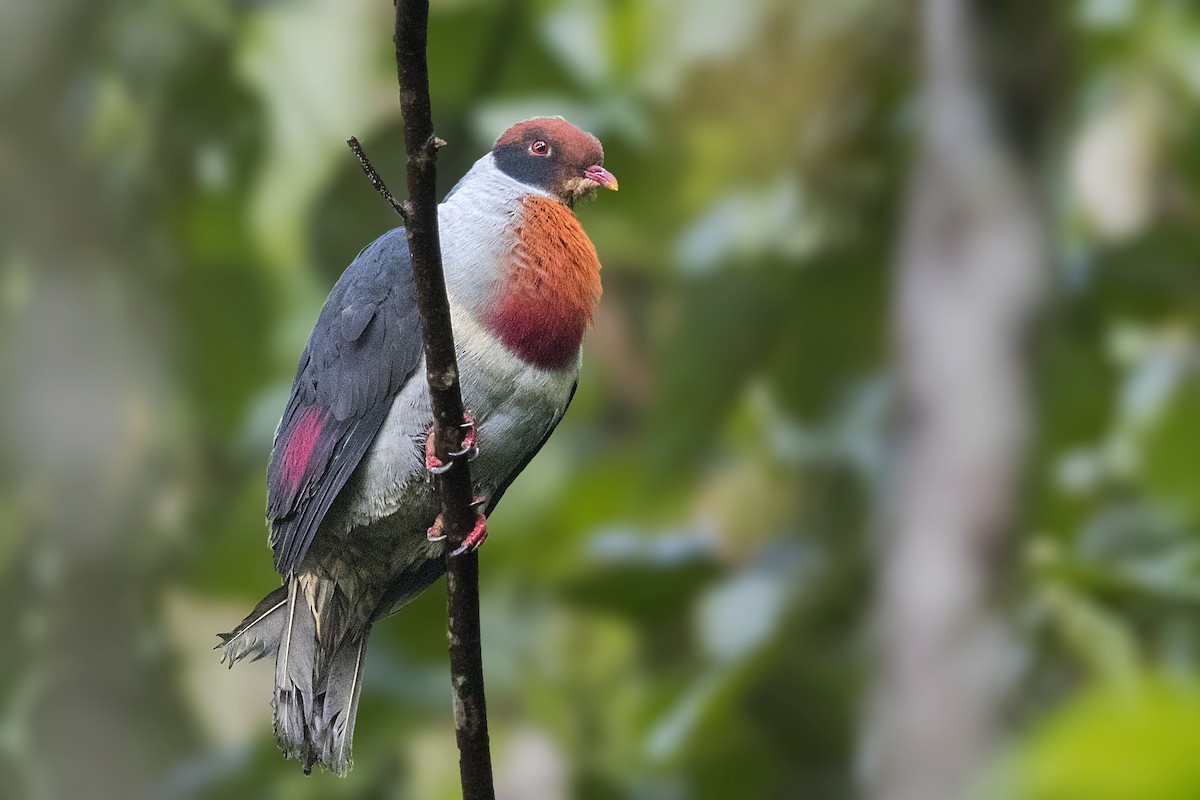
{"x":314,"y":455}
{"x":300,"y":446}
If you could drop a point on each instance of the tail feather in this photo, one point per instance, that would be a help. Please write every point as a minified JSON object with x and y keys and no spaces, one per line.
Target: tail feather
{"x":318,"y":676}
{"x":333,"y":608}
{"x":259,"y":633}
{"x":333,"y":725}
{"x":294,"y":673}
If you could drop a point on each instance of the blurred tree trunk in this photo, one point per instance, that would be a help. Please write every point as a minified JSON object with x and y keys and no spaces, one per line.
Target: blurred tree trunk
{"x":971,"y":275}
{"x":87,"y":706}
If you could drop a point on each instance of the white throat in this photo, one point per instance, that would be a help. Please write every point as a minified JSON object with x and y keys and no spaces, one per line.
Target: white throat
{"x":476,"y":229}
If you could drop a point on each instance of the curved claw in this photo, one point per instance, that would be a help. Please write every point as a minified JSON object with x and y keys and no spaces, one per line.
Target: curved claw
{"x":469,"y":448}
{"x":470,"y":441}
{"x":437,"y":467}
{"x":475,"y":538}
{"x":437,"y":531}
{"x":471,"y":451}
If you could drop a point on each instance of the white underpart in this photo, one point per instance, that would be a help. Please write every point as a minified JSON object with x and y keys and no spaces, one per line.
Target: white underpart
{"x":475,"y":225}
{"x":514,"y":403}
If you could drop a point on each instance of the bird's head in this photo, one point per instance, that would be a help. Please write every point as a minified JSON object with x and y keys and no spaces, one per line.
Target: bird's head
{"x":555,"y":156}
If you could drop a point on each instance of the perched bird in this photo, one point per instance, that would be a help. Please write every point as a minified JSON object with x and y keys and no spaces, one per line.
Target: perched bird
{"x":351,"y":503}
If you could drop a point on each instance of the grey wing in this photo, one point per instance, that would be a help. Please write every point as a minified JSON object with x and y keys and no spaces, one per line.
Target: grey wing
{"x":365,"y":346}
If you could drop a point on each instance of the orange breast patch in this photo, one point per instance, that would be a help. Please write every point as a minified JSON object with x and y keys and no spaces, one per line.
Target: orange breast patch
{"x":550,"y":288}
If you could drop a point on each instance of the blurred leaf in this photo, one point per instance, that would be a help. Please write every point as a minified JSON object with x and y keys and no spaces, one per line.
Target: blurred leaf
{"x":1151,"y":277}
{"x":224,"y":342}
{"x":817,"y":354}
{"x":1115,"y":743}
{"x":647,"y":592}
{"x":725,"y":334}
{"x":230,"y":555}
{"x":1098,"y":637}
{"x":1169,"y":455}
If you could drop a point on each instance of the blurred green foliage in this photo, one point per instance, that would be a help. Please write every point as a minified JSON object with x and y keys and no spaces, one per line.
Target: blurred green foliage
{"x":675,"y":591}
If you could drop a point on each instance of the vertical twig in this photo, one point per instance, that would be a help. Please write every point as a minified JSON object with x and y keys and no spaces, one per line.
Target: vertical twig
{"x":971,"y":275}
{"x":462,"y":572}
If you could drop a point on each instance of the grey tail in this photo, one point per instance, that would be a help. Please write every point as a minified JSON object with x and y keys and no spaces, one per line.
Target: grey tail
{"x":258,"y":634}
{"x":317,"y":681}
{"x":337,"y":704}
{"x":295,"y":664}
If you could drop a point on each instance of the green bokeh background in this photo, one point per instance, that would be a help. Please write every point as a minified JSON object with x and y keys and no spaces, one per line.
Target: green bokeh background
{"x":676,"y":591}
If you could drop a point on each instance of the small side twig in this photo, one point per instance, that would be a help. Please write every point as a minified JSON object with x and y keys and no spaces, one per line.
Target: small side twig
{"x":369,"y":170}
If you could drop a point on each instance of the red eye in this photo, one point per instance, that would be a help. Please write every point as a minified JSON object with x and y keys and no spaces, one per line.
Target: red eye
{"x":539,"y":148}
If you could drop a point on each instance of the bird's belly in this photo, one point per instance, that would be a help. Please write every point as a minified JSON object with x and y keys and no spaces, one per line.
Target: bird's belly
{"x":514,"y":405}
{"x":373,"y":542}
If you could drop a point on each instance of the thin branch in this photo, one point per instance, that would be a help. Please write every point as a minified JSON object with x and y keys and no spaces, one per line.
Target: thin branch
{"x":369,"y":170}
{"x":458,"y":513}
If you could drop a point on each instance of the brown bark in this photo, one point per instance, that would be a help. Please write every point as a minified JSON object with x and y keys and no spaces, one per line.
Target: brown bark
{"x":458,"y":513}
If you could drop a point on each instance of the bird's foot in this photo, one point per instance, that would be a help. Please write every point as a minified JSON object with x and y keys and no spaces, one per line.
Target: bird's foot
{"x":477,"y":536}
{"x":469,"y":448}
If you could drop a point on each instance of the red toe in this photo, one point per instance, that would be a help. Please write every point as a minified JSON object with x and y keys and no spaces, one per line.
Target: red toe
{"x":475,"y":538}
{"x":468,"y":448}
